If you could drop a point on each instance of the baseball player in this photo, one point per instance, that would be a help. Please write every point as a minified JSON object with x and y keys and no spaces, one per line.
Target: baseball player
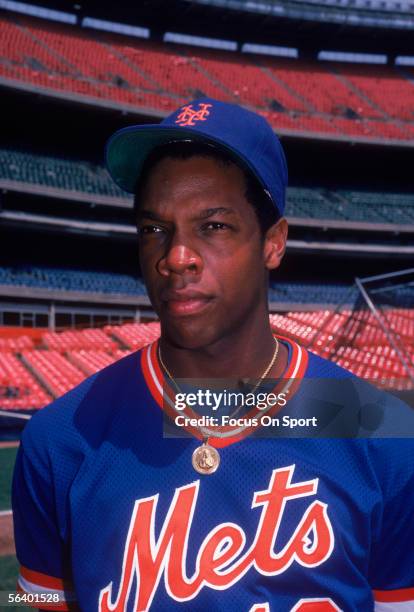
{"x":112,"y":515}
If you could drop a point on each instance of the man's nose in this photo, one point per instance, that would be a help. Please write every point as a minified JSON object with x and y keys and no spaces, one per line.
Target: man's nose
{"x":179,"y":259}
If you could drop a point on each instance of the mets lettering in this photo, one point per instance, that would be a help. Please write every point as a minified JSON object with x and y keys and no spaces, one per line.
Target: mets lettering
{"x":219,"y":564}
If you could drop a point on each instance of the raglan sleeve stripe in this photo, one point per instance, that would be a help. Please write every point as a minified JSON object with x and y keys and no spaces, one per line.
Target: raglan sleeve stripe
{"x":36,"y":583}
{"x":397,"y":600}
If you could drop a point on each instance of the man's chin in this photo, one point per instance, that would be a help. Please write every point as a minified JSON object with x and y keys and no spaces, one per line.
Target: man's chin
{"x":187,"y":333}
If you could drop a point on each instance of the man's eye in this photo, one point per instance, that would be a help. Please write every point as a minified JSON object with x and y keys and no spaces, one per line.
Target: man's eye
{"x":215,"y":226}
{"x":149,"y":229}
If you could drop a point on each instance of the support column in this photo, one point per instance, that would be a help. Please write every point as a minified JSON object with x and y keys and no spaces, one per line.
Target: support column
{"x":52,"y":317}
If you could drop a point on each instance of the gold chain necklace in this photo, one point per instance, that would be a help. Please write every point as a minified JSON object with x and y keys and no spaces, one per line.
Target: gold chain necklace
{"x":206,"y":458}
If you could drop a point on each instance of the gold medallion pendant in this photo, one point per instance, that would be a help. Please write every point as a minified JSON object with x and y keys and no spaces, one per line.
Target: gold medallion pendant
{"x":205,"y":459}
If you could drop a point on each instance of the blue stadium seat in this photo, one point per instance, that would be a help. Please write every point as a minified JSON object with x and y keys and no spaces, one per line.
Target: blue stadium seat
{"x":302,"y":202}
{"x":307,"y":293}
{"x":71,"y":280}
{"x":77,"y":176}
{"x":110,"y":283}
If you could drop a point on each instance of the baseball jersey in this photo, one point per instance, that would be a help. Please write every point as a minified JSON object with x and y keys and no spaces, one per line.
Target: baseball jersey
{"x":112,"y":514}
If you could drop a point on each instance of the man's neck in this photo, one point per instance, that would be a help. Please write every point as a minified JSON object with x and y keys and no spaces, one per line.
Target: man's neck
{"x":244,"y":354}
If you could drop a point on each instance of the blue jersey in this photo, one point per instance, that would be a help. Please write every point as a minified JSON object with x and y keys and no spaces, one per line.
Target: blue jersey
{"x":110,"y":512}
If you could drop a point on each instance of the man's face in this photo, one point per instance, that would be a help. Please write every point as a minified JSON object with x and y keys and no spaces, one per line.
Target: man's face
{"x":201,"y":251}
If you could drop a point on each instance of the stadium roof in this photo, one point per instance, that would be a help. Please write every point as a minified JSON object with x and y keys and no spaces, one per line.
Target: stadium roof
{"x":352,"y":25}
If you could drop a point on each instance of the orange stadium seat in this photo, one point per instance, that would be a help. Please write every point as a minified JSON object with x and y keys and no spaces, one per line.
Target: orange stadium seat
{"x":295,"y":95}
{"x":19,"y":387}
{"x":30,"y":378}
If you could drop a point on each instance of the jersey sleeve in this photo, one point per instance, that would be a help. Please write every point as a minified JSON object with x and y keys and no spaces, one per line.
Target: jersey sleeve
{"x":39,"y":535}
{"x":392,"y":555}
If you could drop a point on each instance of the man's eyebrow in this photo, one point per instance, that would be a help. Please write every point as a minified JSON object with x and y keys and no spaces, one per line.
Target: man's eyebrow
{"x":210,"y":212}
{"x":147,"y":214}
{"x":203,"y":214}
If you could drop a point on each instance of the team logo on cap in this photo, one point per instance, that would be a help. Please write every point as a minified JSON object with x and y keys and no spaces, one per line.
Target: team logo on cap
{"x":189,"y":115}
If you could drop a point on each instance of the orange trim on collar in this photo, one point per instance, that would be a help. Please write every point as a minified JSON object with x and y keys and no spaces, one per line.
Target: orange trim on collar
{"x":155,"y":380}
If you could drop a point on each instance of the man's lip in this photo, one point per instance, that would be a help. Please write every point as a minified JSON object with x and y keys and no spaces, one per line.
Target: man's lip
{"x":173,"y":295}
{"x":187,"y":307}
{"x":185,"y":303}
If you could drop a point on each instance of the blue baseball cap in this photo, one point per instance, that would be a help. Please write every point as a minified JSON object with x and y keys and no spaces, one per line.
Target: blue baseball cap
{"x":245,"y":135}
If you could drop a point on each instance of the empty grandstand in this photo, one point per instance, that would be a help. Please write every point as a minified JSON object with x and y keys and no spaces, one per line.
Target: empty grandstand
{"x":111,"y":284}
{"x":72,"y":280}
{"x":390,"y":13}
{"x":88,"y":182}
{"x":299,"y":97}
{"x":335,"y":79}
{"x":34,"y":372}
{"x":343,"y":105}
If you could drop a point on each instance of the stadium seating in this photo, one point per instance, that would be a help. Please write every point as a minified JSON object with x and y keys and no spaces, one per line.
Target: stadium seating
{"x":86,"y":178}
{"x":134,"y":335}
{"x":19,"y":389}
{"x":94,"y":339}
{"x":106,"y":283}
{"x":314,"y":204}
{"x":71,"y":280}
{"x":376,"y":207}
{"x":91,"y":361}
{"x":74,"y":176}
{"x":353,"y":10}
{"x":354,"y":340}
{"x":15,"y":344}
{"x":295,"y":95}
{"x":346,"y":205}
{"x":381,"y":90}
{"x":308,"y":293}
{"x":320,"y":89}
{"x":30,"y":378}
{"x":103,"y":282}
{"x":56,"y":372}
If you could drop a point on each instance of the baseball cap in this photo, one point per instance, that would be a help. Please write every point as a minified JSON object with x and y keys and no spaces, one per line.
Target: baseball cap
{"x":244,"y":134}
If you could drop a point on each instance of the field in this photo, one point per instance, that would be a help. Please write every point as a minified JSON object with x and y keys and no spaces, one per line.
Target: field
{"x":8,"y":562}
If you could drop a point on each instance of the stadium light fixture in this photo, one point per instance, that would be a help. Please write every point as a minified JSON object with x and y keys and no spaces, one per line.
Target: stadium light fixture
{"x":114,"y":26}
{"x":270,"y":50}
{"x":404,"y":60}
{"x":353,"y":58}
{"x":200,"y":41}
{"x":37,"y":11}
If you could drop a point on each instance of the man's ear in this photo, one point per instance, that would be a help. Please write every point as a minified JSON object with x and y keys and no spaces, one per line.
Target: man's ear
{"x":275,"y":244}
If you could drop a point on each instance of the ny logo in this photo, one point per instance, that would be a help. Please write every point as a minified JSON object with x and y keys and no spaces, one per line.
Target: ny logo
{"x":189,"y":115}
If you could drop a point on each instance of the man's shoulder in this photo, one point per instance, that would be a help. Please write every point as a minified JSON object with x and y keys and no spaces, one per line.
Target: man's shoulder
{"x":381,"y":414}
{"x":320,"y":367}
{"x":56,"y":422}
